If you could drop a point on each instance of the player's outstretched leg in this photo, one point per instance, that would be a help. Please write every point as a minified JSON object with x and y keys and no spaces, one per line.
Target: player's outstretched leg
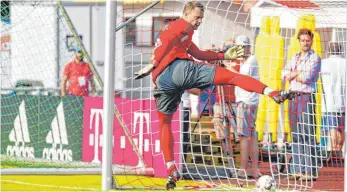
{"x":167,"y":144}
{"x":226,"y":77}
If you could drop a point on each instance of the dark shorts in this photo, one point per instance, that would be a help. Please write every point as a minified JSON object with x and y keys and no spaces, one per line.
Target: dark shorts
{"x":333,"y":121}
{"x":181,"y":75}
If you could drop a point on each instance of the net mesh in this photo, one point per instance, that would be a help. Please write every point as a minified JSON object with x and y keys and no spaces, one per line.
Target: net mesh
{"x":34,"y":49}
{"x":39,"y":128}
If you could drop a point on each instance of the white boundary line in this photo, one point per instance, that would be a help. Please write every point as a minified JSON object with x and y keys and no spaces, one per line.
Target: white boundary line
{"x":51,"y":186}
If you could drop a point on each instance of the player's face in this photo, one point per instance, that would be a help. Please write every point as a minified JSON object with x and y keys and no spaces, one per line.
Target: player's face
{"x":194,"y":17}
{"x":79,"y":56}
{"x":247,"y":50}
{"x":305,"y":42}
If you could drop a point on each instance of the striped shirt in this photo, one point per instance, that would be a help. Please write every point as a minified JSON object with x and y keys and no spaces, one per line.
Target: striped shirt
{"x":309,"y":68}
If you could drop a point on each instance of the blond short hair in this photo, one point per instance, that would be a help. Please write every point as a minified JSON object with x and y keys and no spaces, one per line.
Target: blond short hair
{"x":192,"y":5}
{"x":232,"y":40}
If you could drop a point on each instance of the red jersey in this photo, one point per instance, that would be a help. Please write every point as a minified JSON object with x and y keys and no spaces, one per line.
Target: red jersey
{"x":175,"y":42}
{"x":79,"y":75}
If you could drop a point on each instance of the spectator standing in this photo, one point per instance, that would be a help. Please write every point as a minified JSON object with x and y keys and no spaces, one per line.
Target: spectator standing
{"x":78,"y":75}
{"x":247,"y":103}
{"x":333,"y":105}
{"x":302,"y":72}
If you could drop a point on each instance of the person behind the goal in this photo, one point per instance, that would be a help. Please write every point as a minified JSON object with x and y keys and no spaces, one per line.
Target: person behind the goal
{"x":174,"y":71}
{"x":78,"y":74}
{"x":333,"y":70}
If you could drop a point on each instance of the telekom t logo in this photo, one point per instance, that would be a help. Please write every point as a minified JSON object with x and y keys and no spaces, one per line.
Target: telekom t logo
{"x":94,"y":139}
{"x":140,"y":119}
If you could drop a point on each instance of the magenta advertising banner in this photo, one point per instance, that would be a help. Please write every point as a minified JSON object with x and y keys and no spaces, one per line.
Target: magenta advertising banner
{"x":140,"y":117}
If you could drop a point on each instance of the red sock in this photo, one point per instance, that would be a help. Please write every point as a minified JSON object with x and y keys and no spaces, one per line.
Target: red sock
{"x":166,"y":136}
{"x":226,"y":77}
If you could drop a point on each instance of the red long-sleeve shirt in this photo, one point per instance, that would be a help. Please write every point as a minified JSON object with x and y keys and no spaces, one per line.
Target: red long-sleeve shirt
{"x":175,"y":42}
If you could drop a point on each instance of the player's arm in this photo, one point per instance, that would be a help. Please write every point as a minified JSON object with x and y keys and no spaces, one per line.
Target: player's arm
{"x":204,"y":55}
{"x":234,"y":52}
{"x":92,"y":84}
{"x":64,"y":80}
{"x":63,"y":84}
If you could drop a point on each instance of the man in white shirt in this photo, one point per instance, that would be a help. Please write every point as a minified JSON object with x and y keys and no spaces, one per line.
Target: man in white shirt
{"x":247,"y":103}
{"x":333,"y":105}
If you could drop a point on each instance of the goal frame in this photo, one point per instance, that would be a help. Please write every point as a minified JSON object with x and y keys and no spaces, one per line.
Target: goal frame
{"x":111,"y":12}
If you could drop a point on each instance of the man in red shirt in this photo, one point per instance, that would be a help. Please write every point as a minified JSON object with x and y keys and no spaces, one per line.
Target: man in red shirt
{"x":79,"y":75}
{"x":174,"y":71}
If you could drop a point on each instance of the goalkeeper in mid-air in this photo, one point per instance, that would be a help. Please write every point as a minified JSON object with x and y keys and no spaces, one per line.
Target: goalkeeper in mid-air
{"x":174,"y":71}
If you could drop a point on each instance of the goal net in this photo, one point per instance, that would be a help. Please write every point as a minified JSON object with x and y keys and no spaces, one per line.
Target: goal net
{"x":299,"y":160}
{"x":301,"y":149}
{"x":39,"y":127}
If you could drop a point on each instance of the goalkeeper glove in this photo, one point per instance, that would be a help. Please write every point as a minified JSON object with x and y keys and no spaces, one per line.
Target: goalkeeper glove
{"x":144,"y":71}
{"x":235,"y":52}
{"x":281,"y":96}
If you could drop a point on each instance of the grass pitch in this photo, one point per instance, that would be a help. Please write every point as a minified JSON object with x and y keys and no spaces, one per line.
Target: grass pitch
{"x":85,"y":183}
{"x":78,"y":182}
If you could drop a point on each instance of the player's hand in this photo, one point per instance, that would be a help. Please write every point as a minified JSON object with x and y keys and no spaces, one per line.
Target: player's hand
{"x":281,"y":96}
{"x":235,"y":52}
{"x":144,"y":71}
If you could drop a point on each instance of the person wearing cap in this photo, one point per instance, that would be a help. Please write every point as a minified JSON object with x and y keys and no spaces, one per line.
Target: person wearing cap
{"x":246,"y":111}
{"x":78,"y":75}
